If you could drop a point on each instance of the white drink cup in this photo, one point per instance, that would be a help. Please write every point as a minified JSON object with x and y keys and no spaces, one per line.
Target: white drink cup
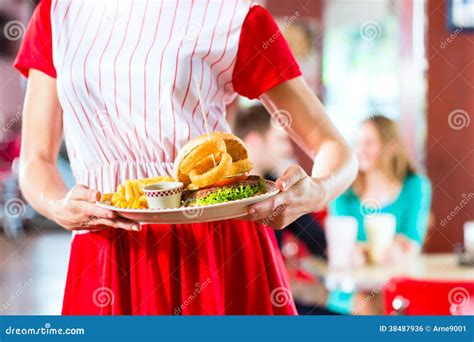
{"x":341,"y":236}
{"x":469,"y":237}
{"x":380,"y":231}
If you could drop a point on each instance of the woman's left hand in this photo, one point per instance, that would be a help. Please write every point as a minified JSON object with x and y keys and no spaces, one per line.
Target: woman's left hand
{"x":401,"y":250}
{"x":299,"y":194}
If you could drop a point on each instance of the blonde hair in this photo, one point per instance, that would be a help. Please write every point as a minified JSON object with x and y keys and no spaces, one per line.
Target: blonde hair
{"x":395,"y":164}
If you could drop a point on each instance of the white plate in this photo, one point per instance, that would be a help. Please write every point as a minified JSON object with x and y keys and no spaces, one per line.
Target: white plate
{"x":208,"y":213}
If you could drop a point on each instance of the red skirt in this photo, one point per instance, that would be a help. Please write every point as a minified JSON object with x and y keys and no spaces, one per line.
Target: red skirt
{"x":219,"y":268}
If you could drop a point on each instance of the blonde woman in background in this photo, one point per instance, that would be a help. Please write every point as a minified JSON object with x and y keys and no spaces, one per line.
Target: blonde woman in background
{"x":386,"y":177}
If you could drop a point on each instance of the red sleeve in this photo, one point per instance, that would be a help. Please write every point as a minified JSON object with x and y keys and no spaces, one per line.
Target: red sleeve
{"x":36,"y":48}
{"x":264,"y":58}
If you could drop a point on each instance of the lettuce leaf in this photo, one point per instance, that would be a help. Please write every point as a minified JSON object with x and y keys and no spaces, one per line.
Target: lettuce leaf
{"x":227,"y":194}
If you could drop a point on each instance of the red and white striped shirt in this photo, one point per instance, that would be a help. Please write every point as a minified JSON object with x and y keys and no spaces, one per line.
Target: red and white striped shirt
{"x":125,"y":75}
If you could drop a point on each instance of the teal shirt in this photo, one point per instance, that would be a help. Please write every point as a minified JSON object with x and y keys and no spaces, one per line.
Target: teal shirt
{"x":411,"y":208}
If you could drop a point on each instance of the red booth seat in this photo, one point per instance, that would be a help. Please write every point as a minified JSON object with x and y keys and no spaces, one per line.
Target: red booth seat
{"x":406,"y":296}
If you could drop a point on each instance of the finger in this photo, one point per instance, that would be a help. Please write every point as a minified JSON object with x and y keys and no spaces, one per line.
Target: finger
{"x":91,"y":228}
{"x":87,"y":209}
{"x":128,"y":225}
{"x":83,"y":193}
{"x":290,"y":177}
{"x":117,"y":223}
{"x":269,"y":207}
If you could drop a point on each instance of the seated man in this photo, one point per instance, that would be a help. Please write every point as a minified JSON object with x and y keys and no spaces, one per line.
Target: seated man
{"x":272,"y":152}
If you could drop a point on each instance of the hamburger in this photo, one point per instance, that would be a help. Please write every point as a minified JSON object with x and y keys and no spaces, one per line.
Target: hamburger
{"x":215,"y":169}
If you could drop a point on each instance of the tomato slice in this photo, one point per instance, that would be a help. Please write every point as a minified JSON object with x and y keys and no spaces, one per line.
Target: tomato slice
{"x":229,"y":180}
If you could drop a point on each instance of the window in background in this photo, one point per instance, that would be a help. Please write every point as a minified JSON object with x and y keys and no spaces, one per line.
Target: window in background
{"x":461,"y":14}
{"x":374,"y":62}
{"x":360,"y":62}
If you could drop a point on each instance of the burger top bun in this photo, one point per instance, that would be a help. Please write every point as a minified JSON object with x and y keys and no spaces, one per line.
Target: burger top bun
{"x":234,"y":145}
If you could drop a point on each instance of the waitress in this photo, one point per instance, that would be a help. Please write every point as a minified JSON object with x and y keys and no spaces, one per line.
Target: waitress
{"x":116,"y":78}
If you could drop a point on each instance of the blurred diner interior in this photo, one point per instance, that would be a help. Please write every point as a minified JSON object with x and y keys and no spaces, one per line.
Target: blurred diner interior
{"x":397,"y":79}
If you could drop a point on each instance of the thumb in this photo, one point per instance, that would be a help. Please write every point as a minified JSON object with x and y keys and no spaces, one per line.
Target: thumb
{"x":83,"y":193}
{"x":290,"y":177}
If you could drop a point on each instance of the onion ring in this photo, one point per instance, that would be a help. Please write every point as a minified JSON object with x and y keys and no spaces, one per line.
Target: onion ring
{"x":185,"y":179}
{"x":214,"y":174}
{"x":240,"y":166}
{"x":208,"y":163}
{"x":205,"y":149}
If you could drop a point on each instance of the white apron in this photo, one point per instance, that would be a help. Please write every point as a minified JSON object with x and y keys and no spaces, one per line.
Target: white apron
{"x":125,"y":78}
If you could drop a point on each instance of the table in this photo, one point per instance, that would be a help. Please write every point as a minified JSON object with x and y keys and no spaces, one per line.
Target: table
{"x":367,"y":278}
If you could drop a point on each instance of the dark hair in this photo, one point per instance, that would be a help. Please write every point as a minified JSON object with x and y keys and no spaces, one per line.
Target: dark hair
{"x":252,"y":119}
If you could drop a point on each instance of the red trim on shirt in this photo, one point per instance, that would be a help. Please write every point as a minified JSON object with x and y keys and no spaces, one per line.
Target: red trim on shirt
{"x":264,"y":58}
{"x":36,"y":49}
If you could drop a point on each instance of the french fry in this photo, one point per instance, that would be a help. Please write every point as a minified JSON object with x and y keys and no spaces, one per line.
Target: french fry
{"x":107,"y":197}
{"x":130,"y":193}
{"x":122,"y":204}
{"x":143,"y":200}
{"x":136,"y":204}
{"x":116,"y":197}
